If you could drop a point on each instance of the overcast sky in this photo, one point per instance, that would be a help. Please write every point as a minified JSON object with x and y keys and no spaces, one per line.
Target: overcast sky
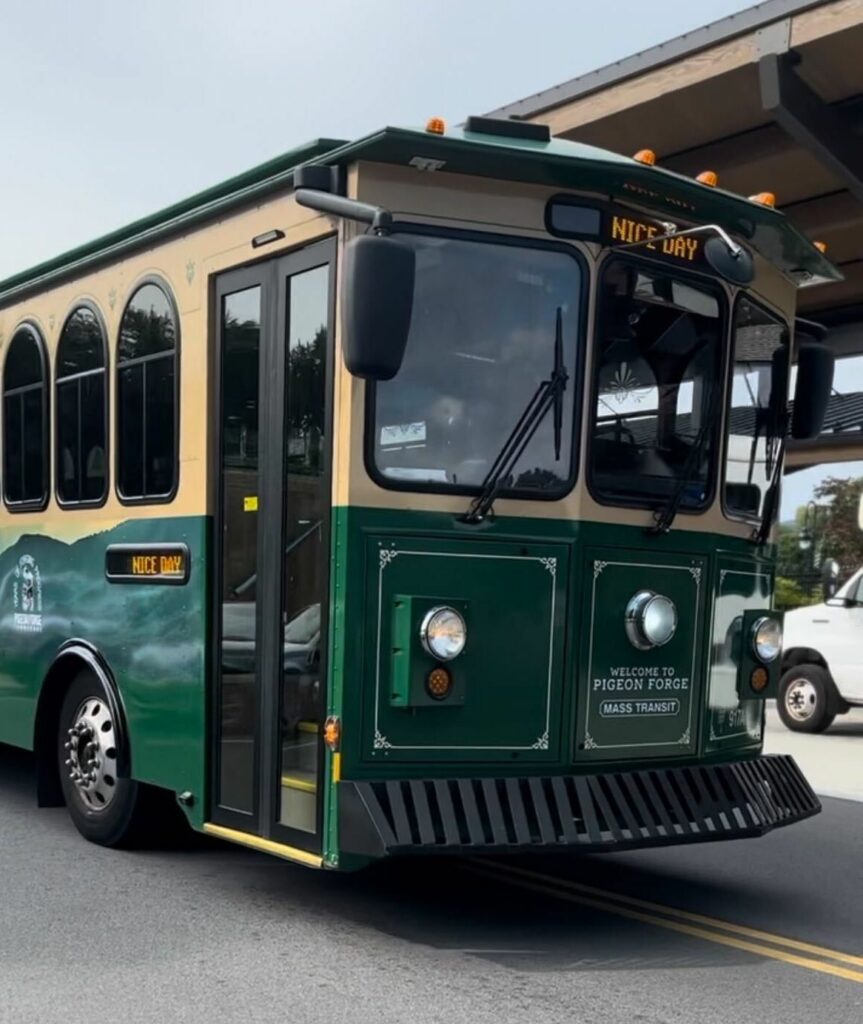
{"x":112,"y":109}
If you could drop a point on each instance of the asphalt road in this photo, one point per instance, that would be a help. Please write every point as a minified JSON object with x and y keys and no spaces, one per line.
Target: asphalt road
{"x":214,"y":933}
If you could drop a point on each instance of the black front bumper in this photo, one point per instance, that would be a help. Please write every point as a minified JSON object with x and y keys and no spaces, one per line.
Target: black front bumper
{"x":612,"y":811}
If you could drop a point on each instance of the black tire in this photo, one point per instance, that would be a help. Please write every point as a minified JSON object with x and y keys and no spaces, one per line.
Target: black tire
{"x":118,"y":818}
{"x":807,"y":699}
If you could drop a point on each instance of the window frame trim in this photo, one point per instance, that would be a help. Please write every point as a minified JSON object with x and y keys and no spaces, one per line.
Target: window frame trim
{"x":146,"y":499}
{"x":576,"y":377}
{"x":106,"y":406}
{"x":30,"y":504}
{"x":726,"y":303}
{"x":741,"y":295}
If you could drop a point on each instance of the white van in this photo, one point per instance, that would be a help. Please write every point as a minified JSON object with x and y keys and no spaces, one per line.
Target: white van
{"x":822,"y":660}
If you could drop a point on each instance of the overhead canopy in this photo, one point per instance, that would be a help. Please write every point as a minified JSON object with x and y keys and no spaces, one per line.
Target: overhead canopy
{"x":771,"y":99}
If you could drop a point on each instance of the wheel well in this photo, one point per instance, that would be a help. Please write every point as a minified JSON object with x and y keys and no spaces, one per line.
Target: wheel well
{"x":70,"y":661}
{"x":802,"y":656}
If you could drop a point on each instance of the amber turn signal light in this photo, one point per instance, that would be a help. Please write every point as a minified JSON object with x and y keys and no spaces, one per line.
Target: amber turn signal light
{"x":333,"y":732}
{"x":439,"y":683}
{"x":645,"y":156}
{"x":759,"y":679}
{"x":436,"y":125}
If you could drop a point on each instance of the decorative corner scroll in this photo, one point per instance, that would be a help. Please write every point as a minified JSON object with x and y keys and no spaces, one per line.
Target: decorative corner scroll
{"x":190,"y":271}
{"x":387,"y":555}
{"x":589,"y":742}
{"x":541,"y":742}
{"x":598,"y":566}
{"x":550,"y":564}
{"x":112,"y":298}
{"x":381,"y":742}
{"x":722,"y":574}
{"x":686,"y":738}
{"x":51,"y":321}
{"x":696,"y":572}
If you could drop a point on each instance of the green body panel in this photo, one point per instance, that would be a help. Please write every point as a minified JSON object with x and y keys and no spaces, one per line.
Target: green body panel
{"x":508,"y":613}
{"x":733,"y":723}
{"x":633,"y":703}
{"x":504,"y":693}
{"x":152,"y":637}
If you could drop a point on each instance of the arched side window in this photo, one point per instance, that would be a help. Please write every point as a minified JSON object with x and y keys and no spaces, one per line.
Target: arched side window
{"x":147,"y":404}
{"x":25,"y":421}
{"x":81,"y":464}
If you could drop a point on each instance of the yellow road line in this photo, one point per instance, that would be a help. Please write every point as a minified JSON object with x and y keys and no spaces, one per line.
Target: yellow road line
{"x":549,"y":887}
{"x":685,"y":915}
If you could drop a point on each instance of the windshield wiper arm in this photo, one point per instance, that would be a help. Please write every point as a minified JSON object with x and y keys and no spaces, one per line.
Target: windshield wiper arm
{"x":761,"y":532}
{"x":665,"y":517}
{"x":549,"y":395}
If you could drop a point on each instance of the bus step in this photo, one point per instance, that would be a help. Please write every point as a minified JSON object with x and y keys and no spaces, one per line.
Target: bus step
{"x":299,"y":800}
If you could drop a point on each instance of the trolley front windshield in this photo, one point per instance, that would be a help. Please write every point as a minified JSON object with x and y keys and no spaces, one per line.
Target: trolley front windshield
{"x":657,"y":386}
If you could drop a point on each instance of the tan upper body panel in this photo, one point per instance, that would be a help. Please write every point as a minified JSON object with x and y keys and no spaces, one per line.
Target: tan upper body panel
{"x":188,"y":264}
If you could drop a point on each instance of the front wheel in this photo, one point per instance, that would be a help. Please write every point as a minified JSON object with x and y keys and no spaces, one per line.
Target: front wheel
{"x":105,"y":809}
{"x":805,"y":702}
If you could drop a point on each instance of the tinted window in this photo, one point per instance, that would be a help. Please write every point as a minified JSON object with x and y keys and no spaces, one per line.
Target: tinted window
{"x":573,"y":221}
{"x":25,"y":419}
{"x":82,"y":410}
{"x":756,"y":417}
{"x":147,"y":396}
{"x":658,"y":347}
{"x":481,"y":341}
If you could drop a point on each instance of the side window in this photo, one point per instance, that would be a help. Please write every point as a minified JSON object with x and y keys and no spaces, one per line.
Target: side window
{"x":80,"y":462}
{"x":147,"y":404}
{"x":756,"y":413}
{"x":25,"y":421}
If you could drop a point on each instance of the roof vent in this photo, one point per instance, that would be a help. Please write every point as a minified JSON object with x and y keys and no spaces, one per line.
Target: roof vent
{"x":508,"y":128}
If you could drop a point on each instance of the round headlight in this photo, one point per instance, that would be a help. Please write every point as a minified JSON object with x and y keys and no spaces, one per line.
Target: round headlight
{"x":767,"y":638}
{"x":443,"y":633}
{"x":651,"y":620}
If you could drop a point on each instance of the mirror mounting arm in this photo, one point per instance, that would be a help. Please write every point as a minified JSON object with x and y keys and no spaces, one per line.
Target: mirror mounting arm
{"x":734,"y":249}
{"x":381,"y":220}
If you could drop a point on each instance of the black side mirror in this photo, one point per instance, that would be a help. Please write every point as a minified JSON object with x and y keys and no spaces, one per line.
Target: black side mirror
{"x":812,"y":393}
{"x":377,"y":301}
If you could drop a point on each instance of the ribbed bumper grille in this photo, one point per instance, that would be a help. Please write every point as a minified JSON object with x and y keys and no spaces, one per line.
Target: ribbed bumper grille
{"x":615,"y":810}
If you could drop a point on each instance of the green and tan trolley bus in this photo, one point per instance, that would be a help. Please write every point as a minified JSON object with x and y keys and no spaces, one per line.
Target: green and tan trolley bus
{"x":409,"y":495}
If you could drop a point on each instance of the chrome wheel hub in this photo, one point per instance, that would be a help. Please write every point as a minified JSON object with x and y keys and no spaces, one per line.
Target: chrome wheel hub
{"x":91,"y":751}
{"x":801,"y":698}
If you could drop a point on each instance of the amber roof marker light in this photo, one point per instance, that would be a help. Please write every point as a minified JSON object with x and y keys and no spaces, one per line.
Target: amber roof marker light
{"x":709,"y":178}
{"x":764,"y":198}
{"x":645,"y":156}
{"x":436,"y":126}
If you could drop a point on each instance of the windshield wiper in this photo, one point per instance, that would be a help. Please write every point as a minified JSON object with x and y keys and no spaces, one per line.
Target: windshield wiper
{"x":759,"y":534}
{"x":549,"y":395}
{"x":664,"y":518}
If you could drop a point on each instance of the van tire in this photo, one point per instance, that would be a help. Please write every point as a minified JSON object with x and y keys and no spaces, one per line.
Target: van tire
{"x":807,"y":700}
{"x":106,"y":809}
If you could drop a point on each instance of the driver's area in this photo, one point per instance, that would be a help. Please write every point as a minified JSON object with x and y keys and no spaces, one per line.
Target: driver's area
{"x":657,"y":386}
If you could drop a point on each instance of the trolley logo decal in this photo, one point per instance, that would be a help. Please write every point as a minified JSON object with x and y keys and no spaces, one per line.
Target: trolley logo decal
{"x":624,"y":385}
{"x":27,"y":596}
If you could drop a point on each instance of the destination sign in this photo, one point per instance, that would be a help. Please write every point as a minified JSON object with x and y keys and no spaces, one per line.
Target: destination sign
{"x":626,"y":230}
{"x":147,"y":563}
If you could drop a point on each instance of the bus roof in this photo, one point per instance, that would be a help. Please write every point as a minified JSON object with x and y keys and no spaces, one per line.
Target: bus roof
{"x":556,"y":162}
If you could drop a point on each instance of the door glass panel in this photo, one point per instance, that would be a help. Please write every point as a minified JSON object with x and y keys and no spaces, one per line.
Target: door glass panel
{"x":241,"y":334}
{"x":307,"y":501}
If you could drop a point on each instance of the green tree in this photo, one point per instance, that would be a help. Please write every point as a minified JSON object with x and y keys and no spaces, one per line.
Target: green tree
{"x":838,"y":535}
